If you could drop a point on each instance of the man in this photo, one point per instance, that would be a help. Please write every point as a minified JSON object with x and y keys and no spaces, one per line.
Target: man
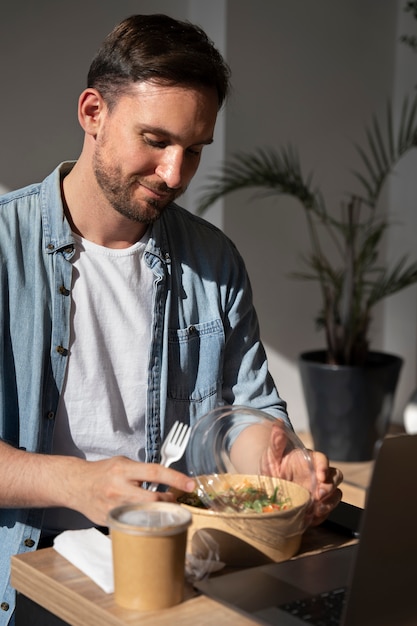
{"x":121,"y":312}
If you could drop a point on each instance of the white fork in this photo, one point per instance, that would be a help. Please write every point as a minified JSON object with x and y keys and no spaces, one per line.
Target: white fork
{"x":173,"y":447}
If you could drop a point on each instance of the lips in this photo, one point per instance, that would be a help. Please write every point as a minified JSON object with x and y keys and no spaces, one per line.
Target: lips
{"x":159,"y":194}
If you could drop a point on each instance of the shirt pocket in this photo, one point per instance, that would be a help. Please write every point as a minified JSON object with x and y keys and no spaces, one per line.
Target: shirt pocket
{"x":195,"y":361}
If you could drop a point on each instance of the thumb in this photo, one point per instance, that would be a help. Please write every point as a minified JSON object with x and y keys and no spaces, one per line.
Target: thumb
{"x":272,"y":458}
{"x":278,"y":441}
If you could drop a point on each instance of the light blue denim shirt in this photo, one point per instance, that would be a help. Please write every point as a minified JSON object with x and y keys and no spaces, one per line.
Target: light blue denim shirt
{"x":205,"y":348}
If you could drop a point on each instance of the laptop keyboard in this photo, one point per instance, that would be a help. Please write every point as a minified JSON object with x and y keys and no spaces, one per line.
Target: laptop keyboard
{"x":324,"y":609}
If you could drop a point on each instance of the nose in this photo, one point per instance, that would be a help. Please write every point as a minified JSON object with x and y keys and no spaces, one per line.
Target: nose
{"x":170,"y":167}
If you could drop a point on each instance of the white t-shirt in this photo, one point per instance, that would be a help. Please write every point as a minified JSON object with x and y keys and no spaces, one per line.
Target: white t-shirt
{"x":102,"y":408}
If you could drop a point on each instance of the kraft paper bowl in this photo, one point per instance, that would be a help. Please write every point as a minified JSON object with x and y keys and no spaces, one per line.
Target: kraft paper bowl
{"x":244,"y":539}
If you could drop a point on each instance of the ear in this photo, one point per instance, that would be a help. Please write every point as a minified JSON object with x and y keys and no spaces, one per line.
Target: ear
{"x":91,"y":110}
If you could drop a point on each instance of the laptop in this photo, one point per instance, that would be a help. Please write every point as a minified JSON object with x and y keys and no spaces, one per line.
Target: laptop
{"x":373,"y":580}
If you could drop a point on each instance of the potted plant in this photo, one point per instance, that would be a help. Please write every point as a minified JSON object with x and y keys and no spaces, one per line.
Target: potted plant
{"x":349,"y":389}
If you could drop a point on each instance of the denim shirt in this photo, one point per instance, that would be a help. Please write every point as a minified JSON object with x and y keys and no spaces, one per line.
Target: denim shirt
{"x":205,"y":348}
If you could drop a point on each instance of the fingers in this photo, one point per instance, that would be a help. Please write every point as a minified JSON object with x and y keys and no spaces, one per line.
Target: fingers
{"x":327,"y":477}
{"x":330,"y":481}
{"x":278,"y":440}
{"x":118,"y":481}
{"x":322,"y":508}
{"x":156,"y":473}
{"x":328,"y":494}
{"x":321,"y":465}
{"x":275,"y":459}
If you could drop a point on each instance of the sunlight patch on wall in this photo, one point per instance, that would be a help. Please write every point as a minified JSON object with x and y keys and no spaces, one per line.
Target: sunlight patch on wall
{"x":287,"y":379}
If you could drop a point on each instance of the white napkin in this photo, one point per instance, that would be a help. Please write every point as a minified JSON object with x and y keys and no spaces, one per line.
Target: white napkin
{"x":90,"y":551}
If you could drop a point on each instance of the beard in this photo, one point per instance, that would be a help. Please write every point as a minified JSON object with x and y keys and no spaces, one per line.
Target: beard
{"x":119,"y":191}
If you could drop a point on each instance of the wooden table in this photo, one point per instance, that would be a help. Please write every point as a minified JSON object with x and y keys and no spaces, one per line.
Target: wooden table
{"x":47,"y":579}
{"x":59,"y":593}
{"x":52,"y":582}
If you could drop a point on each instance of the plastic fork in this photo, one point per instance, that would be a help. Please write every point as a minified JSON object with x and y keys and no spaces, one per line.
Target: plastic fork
{"x":173,"y":447}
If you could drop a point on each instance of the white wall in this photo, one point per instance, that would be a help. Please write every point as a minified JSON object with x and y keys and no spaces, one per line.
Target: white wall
{"x":400,"y":312}
{"x":45,"y":51}
{"x":308,"y":72}
{"x":313,"y":74}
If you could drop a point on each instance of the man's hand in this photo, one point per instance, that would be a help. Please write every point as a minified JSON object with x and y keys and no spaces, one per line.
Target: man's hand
{"x":266,"y":449}
{"x":91,"y":487}
{"x":100,"y":486}
{"x":328,"y":495}
{"x":290,"y":464}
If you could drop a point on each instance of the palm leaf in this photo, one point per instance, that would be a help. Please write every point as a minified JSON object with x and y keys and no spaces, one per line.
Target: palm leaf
{"x":353,"y":286}
{"x":274,"y":172}
{"x":383,"y":152}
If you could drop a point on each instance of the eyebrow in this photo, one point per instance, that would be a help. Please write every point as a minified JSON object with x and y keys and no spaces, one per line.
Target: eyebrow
{"x":159,"y":130}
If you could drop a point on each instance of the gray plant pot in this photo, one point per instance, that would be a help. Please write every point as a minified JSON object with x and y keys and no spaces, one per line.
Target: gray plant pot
{"x":349,"y":407}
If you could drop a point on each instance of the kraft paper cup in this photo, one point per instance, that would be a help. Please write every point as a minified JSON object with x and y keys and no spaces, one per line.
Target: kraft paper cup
{"x":148,"y":546}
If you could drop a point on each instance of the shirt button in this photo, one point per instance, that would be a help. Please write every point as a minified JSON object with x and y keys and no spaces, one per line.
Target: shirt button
{"x":4,"y":606}
{"x":63,"y":291}
{"x":29,"y":543}
{"x":50,"y":415}
{"x":61,"y":350}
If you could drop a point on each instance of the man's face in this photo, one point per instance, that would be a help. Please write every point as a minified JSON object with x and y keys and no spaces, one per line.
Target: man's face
{"x":148,"y":147}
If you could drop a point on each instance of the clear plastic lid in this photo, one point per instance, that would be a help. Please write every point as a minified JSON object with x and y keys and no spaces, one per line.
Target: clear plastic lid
{"x":237,"y":442}
{"x":150,"y":519}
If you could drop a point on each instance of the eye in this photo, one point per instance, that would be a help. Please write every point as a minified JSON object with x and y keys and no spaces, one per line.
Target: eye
{"x":194,"y":151}
{"x":154,"y":143}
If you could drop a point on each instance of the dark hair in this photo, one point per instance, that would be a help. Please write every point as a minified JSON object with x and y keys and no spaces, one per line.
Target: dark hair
{"x":161,"y":49}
